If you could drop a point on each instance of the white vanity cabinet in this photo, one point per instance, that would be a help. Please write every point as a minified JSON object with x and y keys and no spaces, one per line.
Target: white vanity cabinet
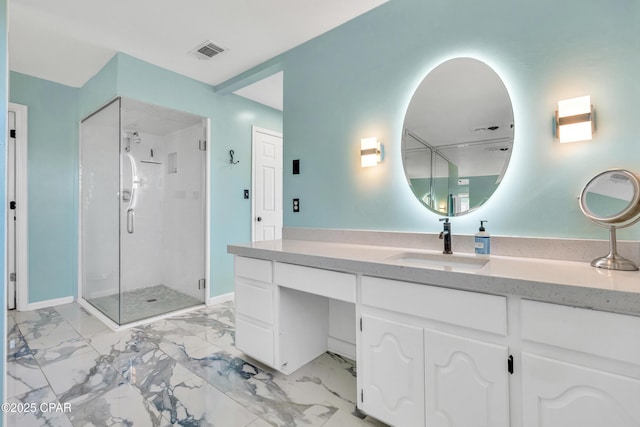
{"x":432,"y":356}
{"x":442,"y":357}
{"x":256,"y":302}
{"x":579,"y":367}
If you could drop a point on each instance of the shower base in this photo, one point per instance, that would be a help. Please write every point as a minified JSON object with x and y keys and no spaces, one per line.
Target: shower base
{"x":143,"y":303}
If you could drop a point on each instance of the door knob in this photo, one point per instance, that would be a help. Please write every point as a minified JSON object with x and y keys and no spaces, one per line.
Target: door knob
{"x":259,"y":218}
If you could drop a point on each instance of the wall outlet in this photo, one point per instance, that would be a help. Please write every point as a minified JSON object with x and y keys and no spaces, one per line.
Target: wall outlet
{"x":246,"y":194}
{"x":296,"y":205}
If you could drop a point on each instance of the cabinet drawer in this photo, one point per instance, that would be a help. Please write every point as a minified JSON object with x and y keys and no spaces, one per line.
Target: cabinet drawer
{"x":255,"y":301}
{"x":610,"y":335}
{"x":331,"y":284}
{"x":255,"y":341}
{"x":469,"y":309}
{"x":252,"y":268}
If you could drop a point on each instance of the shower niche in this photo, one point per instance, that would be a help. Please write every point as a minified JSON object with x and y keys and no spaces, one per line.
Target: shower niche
{"x":142,"y":211}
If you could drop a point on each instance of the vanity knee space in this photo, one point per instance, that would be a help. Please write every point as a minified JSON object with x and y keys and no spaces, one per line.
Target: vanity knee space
{"x":287,"y":315}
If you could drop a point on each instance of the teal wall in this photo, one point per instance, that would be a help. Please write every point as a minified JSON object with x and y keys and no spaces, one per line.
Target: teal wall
{"x":231,"y":119}
{"x":52,"y":177}
{"x":357,"y":81}
{"x":54,"y":114}
{"x":353,"y":82}
{"x":99,"y":89}
{"x":4,"y":78}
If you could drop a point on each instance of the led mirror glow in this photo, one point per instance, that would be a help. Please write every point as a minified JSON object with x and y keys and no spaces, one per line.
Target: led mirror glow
{"x":574,"y":119}
{"x":369,"y":152}
{"x":457,"y":136}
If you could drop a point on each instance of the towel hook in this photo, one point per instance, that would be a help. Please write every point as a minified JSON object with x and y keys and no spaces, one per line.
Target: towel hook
{"x":231,"y":153}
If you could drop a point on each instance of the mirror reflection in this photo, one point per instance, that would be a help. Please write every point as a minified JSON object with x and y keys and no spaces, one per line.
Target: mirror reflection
{"x":609,"y":194}
{"x":457,"y":136}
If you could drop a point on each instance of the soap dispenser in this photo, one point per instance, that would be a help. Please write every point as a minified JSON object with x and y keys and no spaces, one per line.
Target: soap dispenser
{"x":482,"y":241}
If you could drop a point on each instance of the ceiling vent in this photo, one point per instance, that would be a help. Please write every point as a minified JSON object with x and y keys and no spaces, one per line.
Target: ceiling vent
{"x":207,"y":50}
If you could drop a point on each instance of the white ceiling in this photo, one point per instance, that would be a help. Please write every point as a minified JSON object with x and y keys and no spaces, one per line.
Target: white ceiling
{"x":69,"y":41}
{"x":266,"y":91}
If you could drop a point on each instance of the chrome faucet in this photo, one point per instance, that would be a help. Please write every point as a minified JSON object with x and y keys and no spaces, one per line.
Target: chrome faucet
{"x":446,"y":235}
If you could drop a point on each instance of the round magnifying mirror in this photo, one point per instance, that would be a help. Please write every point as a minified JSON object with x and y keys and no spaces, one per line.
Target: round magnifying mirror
{"x":457,"y":136}
{"x":612,"y":199}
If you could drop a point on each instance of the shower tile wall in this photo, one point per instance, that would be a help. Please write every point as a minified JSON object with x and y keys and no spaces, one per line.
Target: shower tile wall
{"x":168,"y":245}
{"x":183,"y":258}
{"x":141,"y":260}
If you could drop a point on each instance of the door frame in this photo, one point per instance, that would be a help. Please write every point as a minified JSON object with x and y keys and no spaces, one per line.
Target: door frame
{"x":254,"y":131}
{"x":21,"y":198}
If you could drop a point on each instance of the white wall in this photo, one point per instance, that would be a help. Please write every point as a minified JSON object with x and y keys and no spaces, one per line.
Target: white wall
{"x":141,"y":260}
{"x":168,"y":243}
{"x":183,"y":257}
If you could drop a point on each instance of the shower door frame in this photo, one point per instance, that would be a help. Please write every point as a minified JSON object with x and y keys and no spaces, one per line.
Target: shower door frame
{"x":207,"y":250}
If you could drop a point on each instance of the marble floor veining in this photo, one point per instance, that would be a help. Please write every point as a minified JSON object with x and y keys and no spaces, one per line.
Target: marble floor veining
{"x":65,"y":368}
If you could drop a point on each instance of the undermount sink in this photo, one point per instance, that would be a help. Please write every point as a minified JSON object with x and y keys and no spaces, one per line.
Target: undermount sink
{"x":439,"y":261}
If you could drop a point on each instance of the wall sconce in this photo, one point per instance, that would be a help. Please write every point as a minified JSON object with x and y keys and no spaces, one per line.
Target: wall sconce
{"x":370,"y":152}
{"x":574,"y":119}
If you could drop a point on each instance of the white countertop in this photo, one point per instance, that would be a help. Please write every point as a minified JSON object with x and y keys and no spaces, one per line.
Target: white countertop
{"x":564,"y":282}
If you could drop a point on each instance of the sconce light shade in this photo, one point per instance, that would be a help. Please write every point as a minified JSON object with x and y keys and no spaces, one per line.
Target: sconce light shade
{"x":574,"y":119}
{"x":370,"y":153}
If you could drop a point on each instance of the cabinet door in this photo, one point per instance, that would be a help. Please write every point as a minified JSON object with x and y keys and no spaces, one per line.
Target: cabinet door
{"x":466,"y":382}
{"x":559,"y":394}
{"x":392,"y":374}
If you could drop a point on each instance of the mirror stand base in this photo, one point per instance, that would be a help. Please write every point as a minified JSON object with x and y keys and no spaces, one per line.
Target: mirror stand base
{"x":613,"y":261}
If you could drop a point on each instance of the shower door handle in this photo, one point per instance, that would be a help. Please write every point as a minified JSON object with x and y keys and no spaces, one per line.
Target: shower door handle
{"x":130,"y":220}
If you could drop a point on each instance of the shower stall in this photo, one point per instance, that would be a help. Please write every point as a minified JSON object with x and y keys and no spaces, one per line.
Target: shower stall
{"x":142,"y":210}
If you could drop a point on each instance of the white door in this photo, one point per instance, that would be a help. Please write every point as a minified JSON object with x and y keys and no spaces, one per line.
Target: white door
{"x":560,"y":394}
{"x":267,"y":185}
{"x":11,"y":211}
{"x":392,"y":375}
{"x":466,"y":382}
{"x":16,"y":219}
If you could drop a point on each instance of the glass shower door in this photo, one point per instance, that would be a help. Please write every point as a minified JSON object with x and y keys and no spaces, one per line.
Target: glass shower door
{"x":143,"y":205}
{"x":99,"y":211}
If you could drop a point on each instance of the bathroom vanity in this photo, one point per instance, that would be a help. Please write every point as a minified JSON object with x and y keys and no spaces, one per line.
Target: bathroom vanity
{"x":449,"y":342}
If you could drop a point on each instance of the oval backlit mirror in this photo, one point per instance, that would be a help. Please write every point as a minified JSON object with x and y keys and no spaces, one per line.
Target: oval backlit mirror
{"x":612,"y":199}
{"x":457,"y":136}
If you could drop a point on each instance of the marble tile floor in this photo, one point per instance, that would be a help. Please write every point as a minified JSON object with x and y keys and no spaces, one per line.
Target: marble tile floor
{"x":180,"y":371}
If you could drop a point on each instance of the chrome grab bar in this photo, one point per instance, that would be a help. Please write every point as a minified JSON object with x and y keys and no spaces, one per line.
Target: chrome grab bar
{"x":130,"y":220}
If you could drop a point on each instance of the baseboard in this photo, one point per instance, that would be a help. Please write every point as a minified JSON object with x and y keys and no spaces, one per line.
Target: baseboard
{"x":49,"y":303}
{"x":342,"y":348}
{"x":219,"y":299}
